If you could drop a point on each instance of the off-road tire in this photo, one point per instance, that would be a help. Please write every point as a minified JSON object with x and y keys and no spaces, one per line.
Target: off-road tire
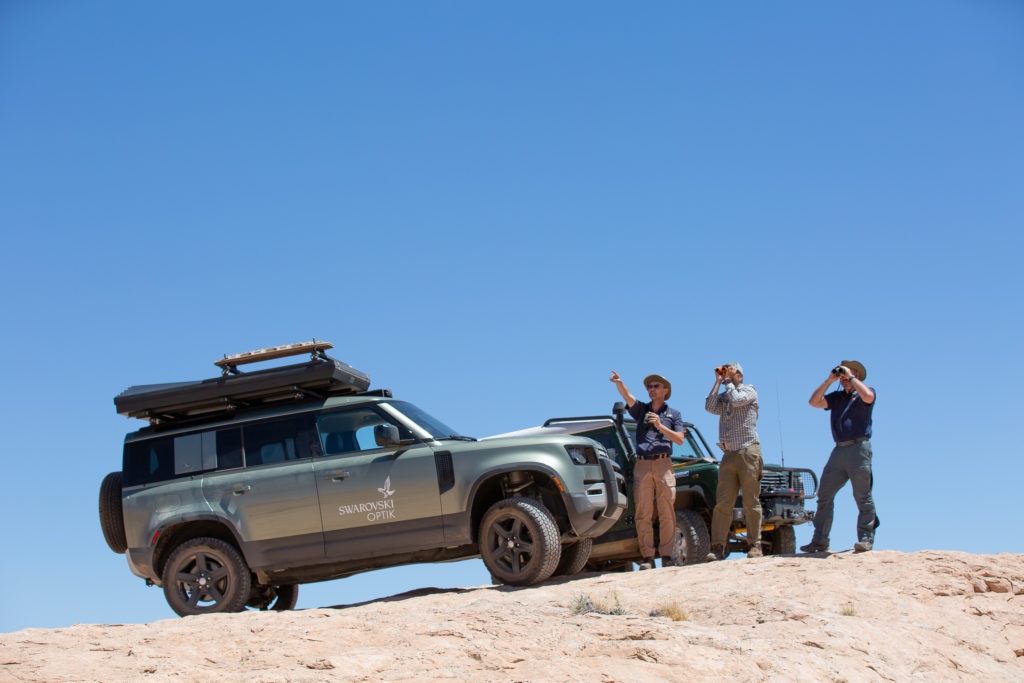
{"x":519,"y":542}
{"x":780,"y":541}
{"x":206,"y":576}
{"x":277,"y":598}
{"x":112,"y":513}
{"x":574,"y":557}
{"x":693,"y":542}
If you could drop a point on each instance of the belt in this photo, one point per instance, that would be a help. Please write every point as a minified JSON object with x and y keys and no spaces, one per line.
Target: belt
{"x":852,"y":441}
{"x":653,"y":456}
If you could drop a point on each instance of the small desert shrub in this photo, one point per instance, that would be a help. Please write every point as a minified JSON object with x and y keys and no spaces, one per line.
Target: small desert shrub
{"x":584,"y":604}
{"x":673,"y":611}
{"x":848,"y":610}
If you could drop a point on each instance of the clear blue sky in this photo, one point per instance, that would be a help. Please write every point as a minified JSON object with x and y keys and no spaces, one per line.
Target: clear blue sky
{"x":489,"y":206}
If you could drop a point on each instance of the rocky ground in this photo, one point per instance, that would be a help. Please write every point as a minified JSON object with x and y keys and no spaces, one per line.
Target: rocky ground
{"x":885,"y":615}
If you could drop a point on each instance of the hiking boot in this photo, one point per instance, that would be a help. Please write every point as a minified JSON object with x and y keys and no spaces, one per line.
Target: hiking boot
{"x":648,"y":563}
{"x":717,"y":553}
{"x":669,"y":562}
{"x":813,"y":547}
{"x":863,"y":545}
{"x":755,"y":551}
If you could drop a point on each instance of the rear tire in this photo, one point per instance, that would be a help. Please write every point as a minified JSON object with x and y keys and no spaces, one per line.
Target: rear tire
{"x":694,"y":542}
{"x":277,"y":598}
{"x":112,"y":513}
{"x":519,"y":542}
{"x":206,"y":576}
{"x":574,"y":557}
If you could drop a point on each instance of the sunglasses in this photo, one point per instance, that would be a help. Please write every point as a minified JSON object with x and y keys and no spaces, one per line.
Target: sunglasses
{"x":653,"y":385}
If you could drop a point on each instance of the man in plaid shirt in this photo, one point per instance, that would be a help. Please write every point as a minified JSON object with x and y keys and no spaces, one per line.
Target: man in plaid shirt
{"x":740,"y":469}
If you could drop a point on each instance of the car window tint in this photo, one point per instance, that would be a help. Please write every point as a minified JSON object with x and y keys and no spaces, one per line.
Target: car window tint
{"x":148,"y":461}
{"x":351,"y":431}
{"x":276,"y":441}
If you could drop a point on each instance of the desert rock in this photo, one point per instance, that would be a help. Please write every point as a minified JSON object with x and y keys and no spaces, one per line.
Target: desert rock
{"x":885,"y":615}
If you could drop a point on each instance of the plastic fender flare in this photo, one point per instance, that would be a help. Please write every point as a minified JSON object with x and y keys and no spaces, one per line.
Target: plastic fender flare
{"x":530,"y":467}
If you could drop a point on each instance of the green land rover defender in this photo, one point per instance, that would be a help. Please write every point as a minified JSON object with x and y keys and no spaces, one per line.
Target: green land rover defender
{"x":245,"y":485}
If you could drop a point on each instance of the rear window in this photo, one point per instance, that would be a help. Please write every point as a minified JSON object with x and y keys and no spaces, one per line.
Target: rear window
{"x":182,"y":455}
{"x":170,"y":457}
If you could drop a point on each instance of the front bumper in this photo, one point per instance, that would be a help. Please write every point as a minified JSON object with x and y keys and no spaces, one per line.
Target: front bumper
{"x":596,"y":510}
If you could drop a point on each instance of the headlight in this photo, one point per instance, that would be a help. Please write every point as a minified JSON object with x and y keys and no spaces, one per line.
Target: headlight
{"x":581,"y":455}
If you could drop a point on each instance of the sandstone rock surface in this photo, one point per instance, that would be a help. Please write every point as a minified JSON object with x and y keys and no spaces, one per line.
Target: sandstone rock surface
{"x":884,"y":615}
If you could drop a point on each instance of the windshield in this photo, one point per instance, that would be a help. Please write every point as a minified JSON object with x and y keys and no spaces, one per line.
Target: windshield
{"x":427,"y":422}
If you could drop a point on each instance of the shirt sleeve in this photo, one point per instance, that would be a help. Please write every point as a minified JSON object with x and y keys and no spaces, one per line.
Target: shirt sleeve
{"x":831,"y":399}
{"x":744,"y":395}
{"x":638,"y":410}
{"x":713,"y":404}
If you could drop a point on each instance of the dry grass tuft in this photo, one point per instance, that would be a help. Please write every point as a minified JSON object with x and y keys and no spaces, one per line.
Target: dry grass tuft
{"x":673,"y":611}
{"x":584,"y":604}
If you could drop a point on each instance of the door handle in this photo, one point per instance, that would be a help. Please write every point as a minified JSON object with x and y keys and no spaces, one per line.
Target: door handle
{"x":339,"y":475}
{"x":239,"y":490}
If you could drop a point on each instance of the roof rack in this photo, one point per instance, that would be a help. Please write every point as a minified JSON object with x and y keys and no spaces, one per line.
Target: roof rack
{"x":229,"y":364}
{"x":319,"y":377}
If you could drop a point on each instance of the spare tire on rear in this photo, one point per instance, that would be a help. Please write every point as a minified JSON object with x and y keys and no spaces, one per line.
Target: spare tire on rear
{"x":112,"y":514}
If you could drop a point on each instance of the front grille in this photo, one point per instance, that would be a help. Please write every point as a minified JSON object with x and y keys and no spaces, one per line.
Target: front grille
{"x":789,"y":483}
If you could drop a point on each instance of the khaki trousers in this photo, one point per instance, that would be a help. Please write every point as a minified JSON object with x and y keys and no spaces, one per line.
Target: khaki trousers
{"x":740,"y":471}
{"x":654,"y":484}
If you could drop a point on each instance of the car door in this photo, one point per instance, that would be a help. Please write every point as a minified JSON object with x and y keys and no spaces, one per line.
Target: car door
{"x":375,"y":500}
{"x":272,"y":499}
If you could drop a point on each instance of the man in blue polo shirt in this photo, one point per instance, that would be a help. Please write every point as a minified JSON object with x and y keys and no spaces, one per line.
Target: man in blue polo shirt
{"x":654,"y":481}
{"x":850,"y":408}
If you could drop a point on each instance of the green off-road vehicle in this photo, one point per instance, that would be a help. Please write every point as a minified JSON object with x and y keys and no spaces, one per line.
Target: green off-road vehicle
{"x":246,"y":485}
{"x":783,"y":492}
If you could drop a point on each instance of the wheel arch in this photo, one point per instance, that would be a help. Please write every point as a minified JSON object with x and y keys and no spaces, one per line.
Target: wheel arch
{"x":490,"y":489}
{"x":694,"y":497}
{"x":175,"y":534}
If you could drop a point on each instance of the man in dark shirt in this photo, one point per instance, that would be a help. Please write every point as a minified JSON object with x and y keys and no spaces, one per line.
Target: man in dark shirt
{"x":654,"y":481}
{"x":850,"y":408}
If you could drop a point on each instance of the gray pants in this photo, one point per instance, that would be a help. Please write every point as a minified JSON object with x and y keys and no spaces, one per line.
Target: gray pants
{"x":847,"y":463}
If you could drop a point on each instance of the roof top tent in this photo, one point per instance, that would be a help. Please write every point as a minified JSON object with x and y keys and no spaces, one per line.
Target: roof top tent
{"x":319,"y":377}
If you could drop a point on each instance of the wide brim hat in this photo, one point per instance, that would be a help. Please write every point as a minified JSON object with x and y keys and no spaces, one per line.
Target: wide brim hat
{"x":857,"y":367}
{"x":659,"y":378}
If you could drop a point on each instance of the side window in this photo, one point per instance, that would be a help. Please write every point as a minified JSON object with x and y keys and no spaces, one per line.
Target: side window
{"x":277,"y":441}
{"x":188,"y":453}
{"x":227,"y":445}
{"x":153,"y":460}
{"x":351,"y":431}
{"x":148,"y":461}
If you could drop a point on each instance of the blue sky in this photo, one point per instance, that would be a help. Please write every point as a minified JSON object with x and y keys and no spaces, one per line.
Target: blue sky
{"x":489,"y":206}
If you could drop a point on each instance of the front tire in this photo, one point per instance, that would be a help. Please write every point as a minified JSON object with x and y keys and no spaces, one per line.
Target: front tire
{"x":206,"y":576}
{"x":694,"y":542}
{"x":519,"y":542}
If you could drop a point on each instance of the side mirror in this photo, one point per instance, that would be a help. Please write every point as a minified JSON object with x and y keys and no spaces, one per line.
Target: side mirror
{"x":386,"y":435}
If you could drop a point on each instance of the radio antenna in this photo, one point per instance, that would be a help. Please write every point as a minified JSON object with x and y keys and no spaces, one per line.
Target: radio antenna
{"x":778,"y":406}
